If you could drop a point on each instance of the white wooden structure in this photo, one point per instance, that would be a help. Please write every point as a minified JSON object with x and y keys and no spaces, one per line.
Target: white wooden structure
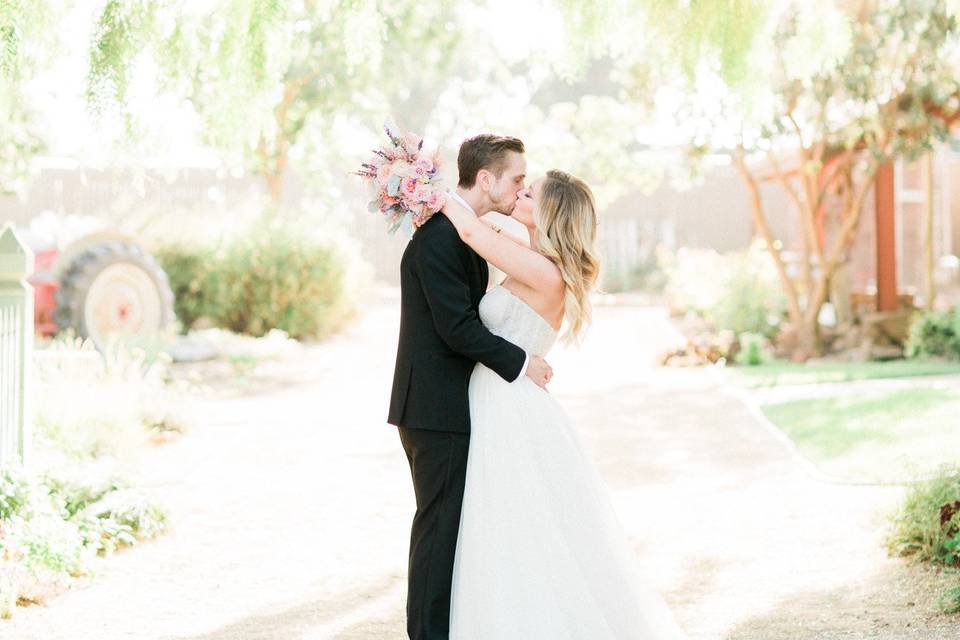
{"x":16,"y":341}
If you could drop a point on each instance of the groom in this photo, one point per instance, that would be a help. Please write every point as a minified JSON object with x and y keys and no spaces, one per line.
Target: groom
{"x":441,"y":339}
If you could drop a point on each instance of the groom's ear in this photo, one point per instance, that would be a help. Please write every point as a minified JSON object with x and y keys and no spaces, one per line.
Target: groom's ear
{"x":485,"y":180}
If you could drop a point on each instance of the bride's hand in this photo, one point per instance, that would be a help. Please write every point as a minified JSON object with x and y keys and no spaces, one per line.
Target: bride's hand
{"x":463,"y":219}
{"x":448,"y":203}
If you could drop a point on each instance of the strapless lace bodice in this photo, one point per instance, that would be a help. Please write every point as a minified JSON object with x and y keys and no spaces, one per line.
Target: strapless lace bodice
{"x":512,"y":319}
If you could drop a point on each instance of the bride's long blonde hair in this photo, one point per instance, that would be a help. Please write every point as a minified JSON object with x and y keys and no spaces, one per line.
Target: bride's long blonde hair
{"x":566,"y":220}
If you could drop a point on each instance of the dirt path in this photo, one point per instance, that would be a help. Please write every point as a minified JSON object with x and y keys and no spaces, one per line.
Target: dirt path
{"x":291,"y":510}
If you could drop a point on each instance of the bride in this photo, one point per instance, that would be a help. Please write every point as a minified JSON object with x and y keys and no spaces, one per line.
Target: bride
{"x":540,"y":553}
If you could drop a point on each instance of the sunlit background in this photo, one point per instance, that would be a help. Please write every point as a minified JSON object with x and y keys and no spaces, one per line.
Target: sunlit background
{"x":778,"y":185}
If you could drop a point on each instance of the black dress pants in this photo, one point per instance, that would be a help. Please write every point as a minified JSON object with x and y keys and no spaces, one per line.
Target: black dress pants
{"x":438,"y":464}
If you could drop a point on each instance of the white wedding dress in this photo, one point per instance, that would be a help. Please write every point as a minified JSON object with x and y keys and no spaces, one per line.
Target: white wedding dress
{"x":541,"y":554}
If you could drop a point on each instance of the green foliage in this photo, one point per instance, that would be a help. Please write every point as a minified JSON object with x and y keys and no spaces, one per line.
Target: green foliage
{"x":193,"y":280}
{"x":24,"y":24}
{"x":754,"y":350}
{"x":935,"y":334}
{"x":927,"y":527}
{"x":272,"y":279}
{"x":122,"y":30}
{"x":26,"y":42}
{"x":950,"y":600}
{"x":20,"y":139}
{"x":737,"y":291}
{"x":883,"y":83}
{"x":15,"y":492}
{"x":751,"y":300}
{"x":719,"y":31}
{"x":117,"y":518}
{"x":917,"y":528}
{"x":664,"y":34}
{"x":836,"y":89}
{"x":265,"y":74}
{"x":54,"y":523}
{"x":778,"y":373}
{"x":951,"y":550}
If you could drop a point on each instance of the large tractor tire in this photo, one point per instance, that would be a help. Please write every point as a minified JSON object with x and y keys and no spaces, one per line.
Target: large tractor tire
{"x":114,"y":288}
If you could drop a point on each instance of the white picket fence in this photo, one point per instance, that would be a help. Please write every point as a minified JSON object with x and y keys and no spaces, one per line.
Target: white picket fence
{"x":16,"y":341}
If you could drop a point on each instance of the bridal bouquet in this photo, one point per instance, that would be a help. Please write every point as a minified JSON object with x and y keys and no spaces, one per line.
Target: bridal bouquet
{"x":406,"y":183}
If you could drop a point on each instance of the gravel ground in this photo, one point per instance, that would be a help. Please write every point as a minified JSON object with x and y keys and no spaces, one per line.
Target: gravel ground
{"x":291,"y":507}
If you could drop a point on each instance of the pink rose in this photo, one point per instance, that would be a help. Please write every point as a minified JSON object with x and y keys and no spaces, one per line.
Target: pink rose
{"x":408,"y":187}
{"x":423,"y":167}
{"x":384,"y":172}
{"x":422,"y":194}
{"x":436,"y":201}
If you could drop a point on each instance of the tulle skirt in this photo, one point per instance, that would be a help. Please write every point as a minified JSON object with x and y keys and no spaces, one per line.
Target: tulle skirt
{"x":541,"y":554}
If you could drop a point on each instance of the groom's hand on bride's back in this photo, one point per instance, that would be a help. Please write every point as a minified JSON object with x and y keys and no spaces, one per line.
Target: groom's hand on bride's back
{"x":539,"y":371}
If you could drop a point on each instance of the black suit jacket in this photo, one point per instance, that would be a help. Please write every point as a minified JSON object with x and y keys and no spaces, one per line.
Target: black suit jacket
{"x":441,"y":337}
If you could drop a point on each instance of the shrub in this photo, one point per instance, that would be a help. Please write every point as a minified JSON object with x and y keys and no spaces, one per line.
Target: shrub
{"x":754,"y":350}
{"x":272,"y":279}
{"x":927,"y":522}
{"x":935,"y":334}
{"x":735,"y":291}
{"x":106,"y":404}
{"x":53,"y":524}
{"x":695,"y":280}
{"x":751,"y":300}
{"x":187,"y":269}
{"x":927,"y":527}
{"x":15,"y":493}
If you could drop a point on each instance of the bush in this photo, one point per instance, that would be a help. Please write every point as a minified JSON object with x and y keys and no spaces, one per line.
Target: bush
{"x":105,"y":404}
{"x":271,"y":279}
{"x":935,"y":334}
{"x":927,"y":527}
{"x":53,"y":524}
{"x":191,"y":280}
{"x":754,"y":350}
{"x":926,"y":521}
{"x":738,"y":292}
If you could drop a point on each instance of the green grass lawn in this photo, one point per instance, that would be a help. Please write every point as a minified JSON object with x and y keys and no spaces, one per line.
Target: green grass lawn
{"x":877,"y":436}
{"x":781,"y":372}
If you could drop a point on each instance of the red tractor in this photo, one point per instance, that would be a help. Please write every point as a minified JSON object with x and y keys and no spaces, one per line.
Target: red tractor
{"x":103,"y":284}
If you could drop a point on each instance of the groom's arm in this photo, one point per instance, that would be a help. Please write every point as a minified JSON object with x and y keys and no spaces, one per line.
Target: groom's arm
{"x":443,"y":278}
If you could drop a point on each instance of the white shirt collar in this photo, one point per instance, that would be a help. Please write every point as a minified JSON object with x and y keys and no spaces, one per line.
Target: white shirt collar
{"x":456,"y":196}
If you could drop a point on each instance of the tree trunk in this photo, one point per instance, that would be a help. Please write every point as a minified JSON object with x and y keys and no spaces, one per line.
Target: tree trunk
{"x":809,"y":342}
{"x":760,"y":222}
{"x":840,"y":294}
{"x":273,"y":163}
{"x":274,"y":188}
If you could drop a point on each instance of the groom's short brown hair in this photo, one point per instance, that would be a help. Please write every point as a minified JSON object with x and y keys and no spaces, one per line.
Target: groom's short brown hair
{"x":485,"y":151}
